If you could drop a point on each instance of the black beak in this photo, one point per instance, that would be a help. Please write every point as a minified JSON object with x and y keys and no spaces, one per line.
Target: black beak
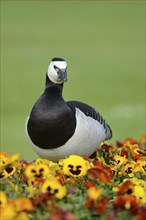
{"x":62,"y":75}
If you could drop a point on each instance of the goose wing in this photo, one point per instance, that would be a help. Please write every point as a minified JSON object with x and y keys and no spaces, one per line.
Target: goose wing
{"x":91,"y":112}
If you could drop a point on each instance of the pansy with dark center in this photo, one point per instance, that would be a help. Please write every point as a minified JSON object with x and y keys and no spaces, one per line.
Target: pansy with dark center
{"x":36,"y":171}
{"x":75,"y":166}
{"x":75,"y":172}
{"x":7,"y":165}
{"x":53,"y":186}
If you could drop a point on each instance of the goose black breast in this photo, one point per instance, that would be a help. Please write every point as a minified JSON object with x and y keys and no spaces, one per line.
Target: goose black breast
{"x":51,"y":123}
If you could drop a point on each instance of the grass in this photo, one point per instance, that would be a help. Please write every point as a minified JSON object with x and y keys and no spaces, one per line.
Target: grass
{"x":103,"y":42}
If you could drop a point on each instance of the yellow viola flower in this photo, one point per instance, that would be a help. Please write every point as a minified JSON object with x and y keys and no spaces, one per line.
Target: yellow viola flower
{"x":14,"y":158}
{"x":32,"y":188}
{"x":3,"y":199}
{"x":54,"y":187}
{"x":128,"y":168}
{"x":22,"y":204}
{"x":140,"y":166}
{"x":8,"y":165}
{"x":138,"y":182}
{"x":22,"y":216}
{"x":94,"y":193}
{"x":132,"y":186}
{"x":3,"y":159}
{"x":120,"y":160}
{"x":33,"y":171}
{"x":52,"y":166}
{"x":114,"y":169}
{"x":140,"y":194}
{"x":75,"y":166}
{"x":8,"y":212}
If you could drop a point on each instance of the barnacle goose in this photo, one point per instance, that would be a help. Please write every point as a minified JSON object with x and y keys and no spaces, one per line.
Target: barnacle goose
{"x":57,"y":129}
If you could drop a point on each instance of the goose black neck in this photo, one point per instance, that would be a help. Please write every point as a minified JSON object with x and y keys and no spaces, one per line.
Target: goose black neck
{"x":49,"y":84}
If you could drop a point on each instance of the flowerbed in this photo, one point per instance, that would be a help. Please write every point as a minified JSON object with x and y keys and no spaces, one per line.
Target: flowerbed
{"x":109,"y":185}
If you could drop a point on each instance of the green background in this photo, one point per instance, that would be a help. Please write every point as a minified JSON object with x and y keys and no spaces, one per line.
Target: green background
{"x":103,"y":43}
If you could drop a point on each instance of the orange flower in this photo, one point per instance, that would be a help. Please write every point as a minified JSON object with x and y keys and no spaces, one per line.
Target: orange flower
{"x":127,"y":202}
{"x":102,"y":175}
{"x":101,"y":172}
{"x":43,"y":198}
{"x":136,"y":152}
{"x":22,"y":204}
{"x":143,"y":139}
{"x":60,"y":214}
{"x":89,"y":204}
{"x":101,"y":207}
{"x":95,"y":202}
{"x":94,"y":192}
{"x":4,"y":155}
{"x":142,"y":213}
{"x":89,"y":184}
{"x":124,"y":188}
{"x":130,"y":141}
{"x":106,"y":150}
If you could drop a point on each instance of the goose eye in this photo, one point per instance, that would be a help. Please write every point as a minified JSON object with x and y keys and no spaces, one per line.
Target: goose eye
{"x":56,"y":68}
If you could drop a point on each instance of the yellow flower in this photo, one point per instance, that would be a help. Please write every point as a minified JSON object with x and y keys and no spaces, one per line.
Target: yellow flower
{"x":22,"y":204}
{"x":14,"y":209}
{"x":6,"y":159}
{"x":134,"y":187}
{"x":140,"y":194}
{"x":120,"y":160}
{"x":7,"y":212}
{"x":128,"y":168}
{"x":7,"y":165}
{"x":140,"y":166}
{"x":138,"y":182}
{"x":22,"y":216}
{"x":52,"y":166}
{"x":36,"y":171}
{"x":3,"y":158}
{"x":32,"y":188}
{"x":94,"y":193}
{"x":139,"y":189}
{"x":54,"y":187}
{"x":3,"y":199}
{"x":75,"y":166}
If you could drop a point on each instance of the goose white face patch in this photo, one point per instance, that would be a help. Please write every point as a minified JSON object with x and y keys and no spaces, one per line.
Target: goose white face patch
{"x":52,"y":72}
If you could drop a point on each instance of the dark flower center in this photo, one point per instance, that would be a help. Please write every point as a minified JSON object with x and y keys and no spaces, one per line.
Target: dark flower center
{"x":75,"y":172}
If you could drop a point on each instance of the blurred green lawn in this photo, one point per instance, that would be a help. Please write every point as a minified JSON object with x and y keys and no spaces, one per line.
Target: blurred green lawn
{"x":103,"y":42}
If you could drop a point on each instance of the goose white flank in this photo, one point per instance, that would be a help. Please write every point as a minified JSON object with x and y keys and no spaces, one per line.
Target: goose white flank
{"x":57,"y":128}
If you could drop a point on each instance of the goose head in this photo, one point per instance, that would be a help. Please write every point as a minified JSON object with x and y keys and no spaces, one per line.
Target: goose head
{"x":57,"y":70}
